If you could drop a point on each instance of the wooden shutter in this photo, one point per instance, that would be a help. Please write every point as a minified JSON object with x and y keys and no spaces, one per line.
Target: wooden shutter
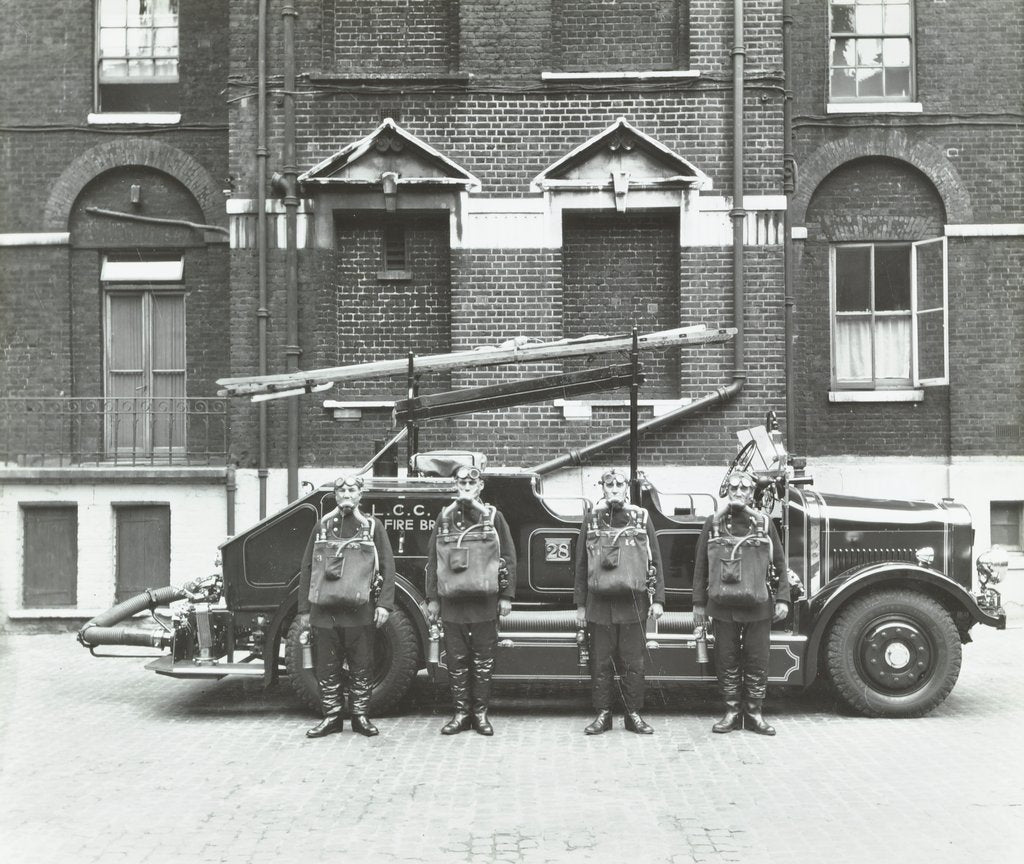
{"x":143,"y":547}
{"x":50,"y":569}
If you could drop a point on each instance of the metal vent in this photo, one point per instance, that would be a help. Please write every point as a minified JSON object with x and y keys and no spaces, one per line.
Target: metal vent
{"x":845,"y":558}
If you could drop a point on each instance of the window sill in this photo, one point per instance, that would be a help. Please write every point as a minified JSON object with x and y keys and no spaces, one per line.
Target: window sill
{"x":874,"y":108}
{"x":351,"y":411}
{"x":394,"y":275}
{"x":908,"y":395}
{"x":132,"y":118}
{"x":620,"y":76}
{"x":583,"y":409}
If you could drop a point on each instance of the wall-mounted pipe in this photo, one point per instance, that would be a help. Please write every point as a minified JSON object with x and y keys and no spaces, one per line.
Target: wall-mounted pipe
{"x":262,"y":312}
{"x":291,"y":211}
{"x":789,"y":188}
{"x":738,"y":216}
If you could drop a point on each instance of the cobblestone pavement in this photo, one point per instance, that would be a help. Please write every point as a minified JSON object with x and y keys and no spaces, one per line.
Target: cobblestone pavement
{"x":101,"y":761}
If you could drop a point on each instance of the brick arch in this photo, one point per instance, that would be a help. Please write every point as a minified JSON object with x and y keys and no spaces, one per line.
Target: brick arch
{"x":132,"y":151}
{"x":927,"y":159}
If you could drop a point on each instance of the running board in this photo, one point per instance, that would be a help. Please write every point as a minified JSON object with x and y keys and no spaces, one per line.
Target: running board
{"x":166,"y":665}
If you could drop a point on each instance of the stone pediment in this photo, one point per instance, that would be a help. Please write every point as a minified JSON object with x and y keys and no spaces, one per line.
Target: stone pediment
{"x":388,"y":157}
{"x":621,"y":158}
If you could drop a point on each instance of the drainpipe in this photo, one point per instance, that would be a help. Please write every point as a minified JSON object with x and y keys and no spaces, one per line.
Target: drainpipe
{"x":738,"y":215}
{"x":789,"y":188}
{"x":262,"y":313}
{"x":230,"y":487}
{"x":291,"y":209}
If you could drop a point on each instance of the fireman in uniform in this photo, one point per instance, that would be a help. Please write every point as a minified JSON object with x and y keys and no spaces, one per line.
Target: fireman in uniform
{"x":741,"y":541}
{"x":619,"y":584}
{"x":470,"y":581}
{"x":347,"y":632}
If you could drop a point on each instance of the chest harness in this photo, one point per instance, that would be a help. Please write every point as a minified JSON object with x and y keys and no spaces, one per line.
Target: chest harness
{"x":469,"y":562}
{"x":738,"y":566}
{"x":619,"y":559}
{"x":345,"y":571}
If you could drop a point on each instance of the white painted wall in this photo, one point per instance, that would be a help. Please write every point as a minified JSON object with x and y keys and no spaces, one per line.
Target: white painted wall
{"x":198,"y":526}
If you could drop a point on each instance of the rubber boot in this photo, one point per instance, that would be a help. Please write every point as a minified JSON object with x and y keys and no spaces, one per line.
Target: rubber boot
{"x":330,"y":704}
{"x":602,"y":723}
{"x":360,"y":689}
{"x":753,"y":721}
{"x":636,"y":723}
{"x":483,"y":666}
{"x":731,"y":719}
{"x":461,"y":721}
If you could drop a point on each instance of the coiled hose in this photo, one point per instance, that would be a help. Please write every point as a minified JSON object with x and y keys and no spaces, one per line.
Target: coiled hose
{"x":101,"y":630}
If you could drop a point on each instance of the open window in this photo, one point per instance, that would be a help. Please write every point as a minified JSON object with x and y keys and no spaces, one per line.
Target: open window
{"x":889,"y":306}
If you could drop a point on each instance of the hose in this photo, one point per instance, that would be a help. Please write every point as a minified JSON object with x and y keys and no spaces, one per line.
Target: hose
{"x":101,"y":630}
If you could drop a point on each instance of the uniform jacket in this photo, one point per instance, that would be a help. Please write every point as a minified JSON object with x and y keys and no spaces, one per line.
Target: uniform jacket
{"x":347,"y":526}
{"x":627,"y":609}
{"x":474,"y":609}
{"x":739,"y":526}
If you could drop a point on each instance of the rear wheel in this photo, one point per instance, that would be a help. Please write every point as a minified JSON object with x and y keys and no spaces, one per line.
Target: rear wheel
{"x":893,"y":653}
{"x":396,"y":659}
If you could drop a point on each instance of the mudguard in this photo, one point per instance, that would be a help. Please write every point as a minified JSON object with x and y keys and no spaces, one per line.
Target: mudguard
{"x":826,"y":603}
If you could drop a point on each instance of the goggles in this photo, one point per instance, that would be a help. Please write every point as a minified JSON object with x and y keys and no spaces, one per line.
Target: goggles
{"x":353,"y":480}
{"x":613,"y":478}
{"x":468,"y":474}
{"x":744,"y":484}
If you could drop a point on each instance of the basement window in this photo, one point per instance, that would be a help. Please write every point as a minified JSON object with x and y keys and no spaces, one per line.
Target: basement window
{"x":1006,"y":523}
{"x":137,"y":56}
{"x":394,"y":255}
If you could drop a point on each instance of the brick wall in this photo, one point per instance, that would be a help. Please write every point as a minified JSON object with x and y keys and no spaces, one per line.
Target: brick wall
{"x":35,"y":349}
{"x":622,"y":271}
{"x":904,"y":177}
{"x":594,"y":35}
{"x":986,"y":355}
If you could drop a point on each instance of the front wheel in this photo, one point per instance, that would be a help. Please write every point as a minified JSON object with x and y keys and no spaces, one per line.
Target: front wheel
{"x":396,"y":659}
{"x":893,"y":653}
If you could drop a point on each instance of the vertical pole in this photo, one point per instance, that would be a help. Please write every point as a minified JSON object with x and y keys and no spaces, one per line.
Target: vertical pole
{"x":634,"y":394}
{"x":291,"y":211}
{"x":262,"y":313}
{"x":410,"y":424}
{"x":789,"y":188}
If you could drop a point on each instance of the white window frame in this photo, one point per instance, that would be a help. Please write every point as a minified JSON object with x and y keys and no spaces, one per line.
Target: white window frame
{"x":915,"y":314}
{"x":846,"y":104}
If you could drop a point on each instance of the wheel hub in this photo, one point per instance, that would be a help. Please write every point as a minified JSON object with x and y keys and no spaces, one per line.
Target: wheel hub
{"x":896,"y":656}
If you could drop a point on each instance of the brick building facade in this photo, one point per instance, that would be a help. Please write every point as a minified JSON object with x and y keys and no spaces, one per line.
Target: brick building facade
{"x":474,"y":170}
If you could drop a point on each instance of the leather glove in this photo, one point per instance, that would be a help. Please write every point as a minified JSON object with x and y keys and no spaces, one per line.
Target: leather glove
{"x":781,"y":611}
{"x":700,"y":616}
{"x":433,"y":609}
{"x":380,"y":616}
{"x":581,"y":617}
{"x":504,"y":606}
{"x":656,"y":611}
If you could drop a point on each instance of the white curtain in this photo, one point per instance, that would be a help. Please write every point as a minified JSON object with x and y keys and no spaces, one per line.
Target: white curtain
{"x":891,"y":348}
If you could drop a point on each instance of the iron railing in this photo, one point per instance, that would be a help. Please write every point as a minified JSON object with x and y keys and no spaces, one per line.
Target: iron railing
{"x":54,"y":431}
